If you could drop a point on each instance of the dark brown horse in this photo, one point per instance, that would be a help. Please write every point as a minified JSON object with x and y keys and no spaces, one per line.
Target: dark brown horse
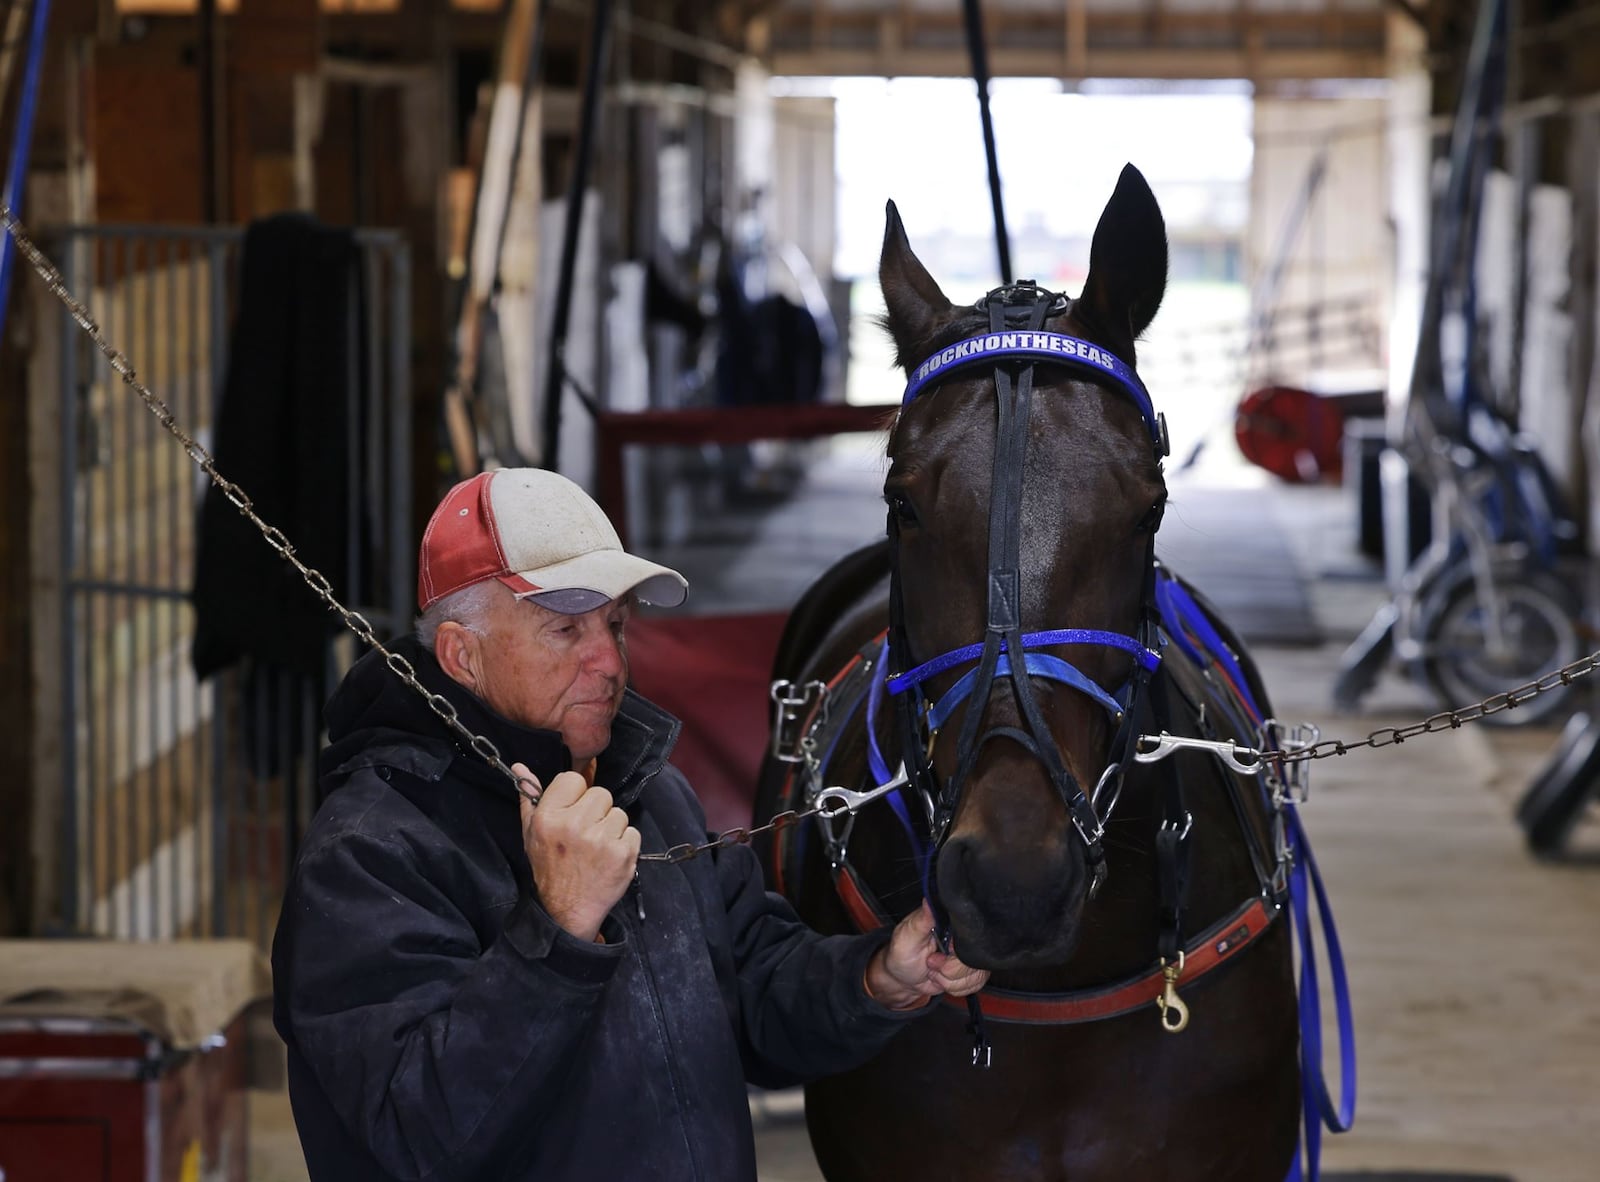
{"x":1024,"y":489}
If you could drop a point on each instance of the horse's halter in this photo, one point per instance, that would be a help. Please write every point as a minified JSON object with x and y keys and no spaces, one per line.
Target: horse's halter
{"x":1014,"y":345}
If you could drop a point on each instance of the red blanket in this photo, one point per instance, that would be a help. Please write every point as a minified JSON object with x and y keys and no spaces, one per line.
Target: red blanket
{"x":713,"y":672}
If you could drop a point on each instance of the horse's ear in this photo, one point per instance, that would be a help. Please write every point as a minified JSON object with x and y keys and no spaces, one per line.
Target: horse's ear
{"x":1128,"y":260}
{"x":913,"y":299}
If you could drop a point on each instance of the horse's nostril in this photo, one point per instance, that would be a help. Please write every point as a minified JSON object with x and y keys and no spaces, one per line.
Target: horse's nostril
{"x":958,"y":868}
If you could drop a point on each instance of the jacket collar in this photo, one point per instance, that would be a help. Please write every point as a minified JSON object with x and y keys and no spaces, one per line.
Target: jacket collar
{"x":642,"y":737}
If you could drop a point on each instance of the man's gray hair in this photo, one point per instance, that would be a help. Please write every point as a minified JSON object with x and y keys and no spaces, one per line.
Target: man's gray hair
{"x":468,"y":607}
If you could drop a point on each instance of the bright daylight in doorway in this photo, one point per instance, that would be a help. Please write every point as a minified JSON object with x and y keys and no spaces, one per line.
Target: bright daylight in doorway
{"x":919,"y":142}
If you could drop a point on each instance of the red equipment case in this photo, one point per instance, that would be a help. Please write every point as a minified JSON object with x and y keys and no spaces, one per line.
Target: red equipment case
{"x":125,"y":1062}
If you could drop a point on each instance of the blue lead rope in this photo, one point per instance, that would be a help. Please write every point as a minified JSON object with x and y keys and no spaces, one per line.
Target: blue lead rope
{"x":1183,"y":617}
{"x":1314,"y":1095}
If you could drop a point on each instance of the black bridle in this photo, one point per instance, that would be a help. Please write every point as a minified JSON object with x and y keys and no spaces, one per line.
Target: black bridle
{"x":1014,"y":345}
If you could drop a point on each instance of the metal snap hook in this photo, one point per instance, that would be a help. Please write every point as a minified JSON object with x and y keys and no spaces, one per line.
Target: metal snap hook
{"x":849,"y":801}
{"x":1174,"y":1012}
{"x":1153,"y":748}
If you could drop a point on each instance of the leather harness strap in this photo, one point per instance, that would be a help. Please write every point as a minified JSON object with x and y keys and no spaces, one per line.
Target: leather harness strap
{"x":1210,"y":949}
{"x":1213,"y":947}
{"x":865,"y":910}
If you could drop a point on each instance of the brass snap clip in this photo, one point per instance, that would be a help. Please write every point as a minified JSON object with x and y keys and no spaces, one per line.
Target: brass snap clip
{"x":1174,"y":1013}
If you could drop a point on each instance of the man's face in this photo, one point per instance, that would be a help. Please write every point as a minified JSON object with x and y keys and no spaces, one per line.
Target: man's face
{"x":557,"y":672}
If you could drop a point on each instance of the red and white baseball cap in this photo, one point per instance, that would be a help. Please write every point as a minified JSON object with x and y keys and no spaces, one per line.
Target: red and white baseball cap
{"x":542,"y":536}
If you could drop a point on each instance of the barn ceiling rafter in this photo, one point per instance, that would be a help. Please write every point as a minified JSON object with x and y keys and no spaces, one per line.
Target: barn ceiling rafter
{"x":1264,"y":40}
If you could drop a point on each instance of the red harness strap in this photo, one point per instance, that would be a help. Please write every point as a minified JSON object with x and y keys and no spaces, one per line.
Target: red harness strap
{"x":781,"y":839}
{"x":1205,"y":952}
{"x":858,"y":899}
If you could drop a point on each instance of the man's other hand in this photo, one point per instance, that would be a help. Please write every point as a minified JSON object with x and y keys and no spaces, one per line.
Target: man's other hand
{"x":911,"y":968}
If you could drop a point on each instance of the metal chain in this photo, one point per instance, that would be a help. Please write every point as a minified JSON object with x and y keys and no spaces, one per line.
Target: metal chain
{"x":1383,"y":737}
{"x":1454,"y":719}
{"x":736,"y":836}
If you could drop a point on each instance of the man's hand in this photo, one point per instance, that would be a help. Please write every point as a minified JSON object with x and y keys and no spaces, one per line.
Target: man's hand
{"x":581,"y":848}
{"x":910,"y":969}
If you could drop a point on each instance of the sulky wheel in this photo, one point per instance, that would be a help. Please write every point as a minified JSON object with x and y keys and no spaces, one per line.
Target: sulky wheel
{"x":1540,"y":632}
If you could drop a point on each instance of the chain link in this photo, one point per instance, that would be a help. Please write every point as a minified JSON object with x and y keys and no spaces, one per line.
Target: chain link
{"x":1390,"y":736}
{"x":733,"y":837}
{"x":1445,"y":720}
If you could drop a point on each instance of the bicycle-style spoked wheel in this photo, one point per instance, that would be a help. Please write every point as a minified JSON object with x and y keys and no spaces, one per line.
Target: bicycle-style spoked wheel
{"x":1538,"y":633}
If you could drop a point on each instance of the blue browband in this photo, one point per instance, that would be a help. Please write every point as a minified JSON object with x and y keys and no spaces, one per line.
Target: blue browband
{"x":1036,"y":345}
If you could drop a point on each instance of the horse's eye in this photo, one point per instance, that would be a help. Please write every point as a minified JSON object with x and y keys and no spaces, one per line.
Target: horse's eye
{"x":1151,"y":521}
{"x":902,"y":508}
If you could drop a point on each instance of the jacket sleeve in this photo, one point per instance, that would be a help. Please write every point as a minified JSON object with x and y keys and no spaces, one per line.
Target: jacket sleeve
{"x":438,"y":1054}
{"x":803,"y":1007}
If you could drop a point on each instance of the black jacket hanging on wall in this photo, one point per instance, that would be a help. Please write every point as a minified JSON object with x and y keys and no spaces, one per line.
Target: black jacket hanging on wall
{"x":287,"y":431}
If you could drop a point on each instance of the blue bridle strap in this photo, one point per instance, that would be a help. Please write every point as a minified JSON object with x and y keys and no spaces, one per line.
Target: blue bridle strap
{"x":1033,"y":345}
{"x":960,"y":656}
{"x":879,"y":767}
{"x":875,"y":760}
{"x":1037,"y":664}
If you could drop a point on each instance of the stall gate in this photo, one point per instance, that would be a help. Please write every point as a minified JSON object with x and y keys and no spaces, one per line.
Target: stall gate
{"x":184,"y":799}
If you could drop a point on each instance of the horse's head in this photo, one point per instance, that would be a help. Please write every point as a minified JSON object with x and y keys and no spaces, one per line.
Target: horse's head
{"x":1077,"y":477}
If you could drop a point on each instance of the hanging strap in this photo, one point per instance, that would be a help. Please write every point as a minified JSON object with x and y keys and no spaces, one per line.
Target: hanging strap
{"x":1171,"y":844}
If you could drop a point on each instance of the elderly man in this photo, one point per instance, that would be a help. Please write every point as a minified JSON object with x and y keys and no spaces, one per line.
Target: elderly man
{"x":474,"y":987}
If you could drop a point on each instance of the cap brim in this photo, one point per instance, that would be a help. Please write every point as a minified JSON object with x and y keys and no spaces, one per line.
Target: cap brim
{"x":592,"y":580}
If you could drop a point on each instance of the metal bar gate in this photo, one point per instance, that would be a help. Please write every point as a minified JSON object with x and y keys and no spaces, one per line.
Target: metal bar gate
{"x":182,"y":799}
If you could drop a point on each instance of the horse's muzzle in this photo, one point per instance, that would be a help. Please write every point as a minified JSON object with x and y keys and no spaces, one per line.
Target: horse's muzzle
{"x":1011,"y":909}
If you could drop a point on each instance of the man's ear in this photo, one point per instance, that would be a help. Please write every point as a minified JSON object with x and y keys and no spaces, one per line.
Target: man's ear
{"x":456,"y":649}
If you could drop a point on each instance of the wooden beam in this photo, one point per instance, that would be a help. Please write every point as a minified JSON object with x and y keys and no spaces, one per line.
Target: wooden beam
{"x":1243,"y":41}
{"x":1272,"y":65}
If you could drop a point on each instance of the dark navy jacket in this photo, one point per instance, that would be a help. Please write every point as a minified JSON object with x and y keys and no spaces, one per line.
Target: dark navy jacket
{"x":441,"y":1026}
